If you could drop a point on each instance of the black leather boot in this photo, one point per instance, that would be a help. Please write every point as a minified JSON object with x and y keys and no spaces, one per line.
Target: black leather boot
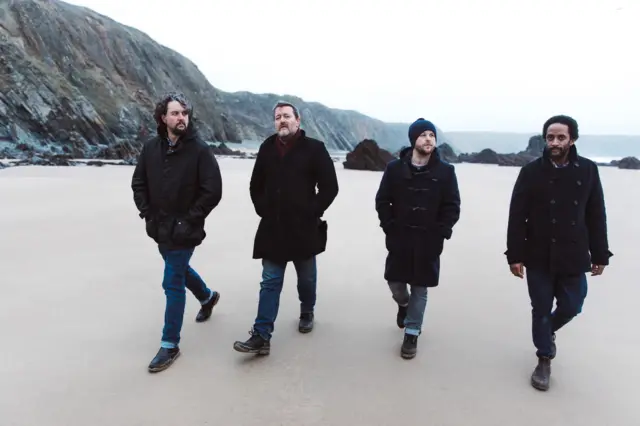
{"x":254,"y":345}
{"x":163,"y":359}
{"x":542,"y":374}
{"x":207,"y":308}
{"x":409,"y":346}
{"x":306,"y":322}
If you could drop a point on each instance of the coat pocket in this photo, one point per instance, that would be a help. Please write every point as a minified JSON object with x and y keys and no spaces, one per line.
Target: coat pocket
{"x":186,"y":233}
{"x":151,"y":226}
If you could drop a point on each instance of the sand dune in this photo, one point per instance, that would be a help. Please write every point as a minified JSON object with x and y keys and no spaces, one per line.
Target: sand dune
{"x":82,"y":304}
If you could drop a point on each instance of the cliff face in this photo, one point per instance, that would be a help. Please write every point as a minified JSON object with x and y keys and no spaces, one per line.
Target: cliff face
{"x":73,"y":81}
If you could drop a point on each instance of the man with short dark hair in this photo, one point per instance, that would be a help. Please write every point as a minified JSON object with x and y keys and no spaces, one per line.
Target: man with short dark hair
{"x":176,"y":184}
{"x":418,"y":204}
{"x":557,"y":230}
{"x":288,"y":168}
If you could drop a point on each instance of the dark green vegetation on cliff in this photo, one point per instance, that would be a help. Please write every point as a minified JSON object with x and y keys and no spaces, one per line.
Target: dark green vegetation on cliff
{"x":75,"y":82}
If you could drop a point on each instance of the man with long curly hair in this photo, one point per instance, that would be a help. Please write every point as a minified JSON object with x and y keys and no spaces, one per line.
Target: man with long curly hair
{"x":176,"y":184}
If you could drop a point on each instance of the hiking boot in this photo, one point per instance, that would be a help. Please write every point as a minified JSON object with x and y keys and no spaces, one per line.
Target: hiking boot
{"x":409,"y":346}
{"x":306,"y":322}
{"x":542,"y":374}
{"x":553,"y":346}
{"x":255,"y":345}
{"x":402,"y":314}
{"x":163,"y":359}
{"x":205,"y":310}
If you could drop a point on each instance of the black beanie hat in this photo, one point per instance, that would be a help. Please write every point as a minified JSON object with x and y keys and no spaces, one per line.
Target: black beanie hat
{"x":418,"y":127}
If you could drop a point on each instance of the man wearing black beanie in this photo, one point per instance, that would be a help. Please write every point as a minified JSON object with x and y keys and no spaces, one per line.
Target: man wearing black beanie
{"x":418,"y":204}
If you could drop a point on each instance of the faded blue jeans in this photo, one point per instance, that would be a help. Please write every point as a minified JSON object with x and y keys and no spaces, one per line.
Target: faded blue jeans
{"x":178,"y":276}
{"x":569,"y":293}
{"x":271,"y":287}
{"x":416,"y":304}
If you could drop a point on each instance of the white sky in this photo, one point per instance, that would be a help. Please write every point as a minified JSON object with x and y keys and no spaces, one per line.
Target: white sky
{"x":464,"y":64}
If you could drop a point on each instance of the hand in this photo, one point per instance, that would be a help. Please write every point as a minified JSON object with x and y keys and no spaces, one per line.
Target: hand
{"x":517,"y":269}
{"x":597,"y":270}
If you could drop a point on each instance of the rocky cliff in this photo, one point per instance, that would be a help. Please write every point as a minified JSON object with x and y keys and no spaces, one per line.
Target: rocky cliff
{"x":77,"y":83}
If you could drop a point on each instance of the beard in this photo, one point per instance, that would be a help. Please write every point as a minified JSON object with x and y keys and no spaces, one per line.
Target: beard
{"x":424,"y":150}
{"x":179,"y":129}
{"x":558,"y":153}
{"x":284,"y":131}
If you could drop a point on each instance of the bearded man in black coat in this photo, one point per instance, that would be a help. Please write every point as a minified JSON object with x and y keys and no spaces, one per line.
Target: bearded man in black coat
{"x":176,"y":184}
{"x":418,"y":204}
{"x":557,"y":230}
{"x":289,"y":167}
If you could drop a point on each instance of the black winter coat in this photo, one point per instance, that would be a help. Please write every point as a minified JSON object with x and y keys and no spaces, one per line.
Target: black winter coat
{"x":557,"y":217}
{"x":283,"y":192}
{"x":175,"y":190}
{"x":417,"y":211}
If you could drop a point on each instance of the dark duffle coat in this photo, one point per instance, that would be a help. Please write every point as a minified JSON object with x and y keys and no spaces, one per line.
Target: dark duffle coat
{"x":417,"y":211}
{"x":557,"y":217}
{"x":283,"y":192}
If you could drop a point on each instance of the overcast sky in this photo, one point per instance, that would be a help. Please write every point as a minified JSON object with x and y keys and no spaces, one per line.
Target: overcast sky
{"x":465,"y":64}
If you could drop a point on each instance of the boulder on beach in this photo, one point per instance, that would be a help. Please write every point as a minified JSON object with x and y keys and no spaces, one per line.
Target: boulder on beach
{"x":488,"y":156}
{"x":223,"y":149}
{"x":42,"y":159}
{"x":367,"y":155}
{"x":448,"y":154}
{"x":630,"y":163}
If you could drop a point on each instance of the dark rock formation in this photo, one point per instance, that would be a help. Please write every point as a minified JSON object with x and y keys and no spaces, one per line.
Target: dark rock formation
{"x":536,"y":146}
{"x":74,"y":82}
{"x":488,"y":156}
{"x":223,"y":149}
{"x":448,"y":154}
{"x":631,"y":163}
{"x":367,"y":155}
{"x":49,"y":160}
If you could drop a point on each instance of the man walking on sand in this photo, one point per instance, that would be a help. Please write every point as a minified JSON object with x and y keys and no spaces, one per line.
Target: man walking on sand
{"x":288,"y":167}
{"x":557,"y":230}
{"x":176,"y":184}
{"x":418,"y":204}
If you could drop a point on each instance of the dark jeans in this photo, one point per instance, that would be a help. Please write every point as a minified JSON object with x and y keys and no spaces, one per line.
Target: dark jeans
{"x":569,"y":292}
{"x":178,"y":276}
{"x":271,"y":287}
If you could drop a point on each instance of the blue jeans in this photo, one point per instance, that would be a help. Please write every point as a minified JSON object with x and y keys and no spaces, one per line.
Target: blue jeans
{"x":178,"y":276}
{"x":271,"y":287}
{"x":416,"y":304}
{"x":569,"y":292}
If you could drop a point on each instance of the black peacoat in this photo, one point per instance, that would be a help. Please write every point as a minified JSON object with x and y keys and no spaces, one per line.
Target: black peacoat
{"x":417,"y":212}
{"x":283,"y":192}
{"x":557,"y":217}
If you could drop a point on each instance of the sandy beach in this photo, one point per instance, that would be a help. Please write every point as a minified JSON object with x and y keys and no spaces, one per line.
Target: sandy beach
{"x":82,"y":307}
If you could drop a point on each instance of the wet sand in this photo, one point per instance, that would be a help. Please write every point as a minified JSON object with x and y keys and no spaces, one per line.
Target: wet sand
{"x":82,"y":306}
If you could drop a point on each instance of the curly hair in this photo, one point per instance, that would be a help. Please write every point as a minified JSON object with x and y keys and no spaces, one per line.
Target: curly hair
{"x":161,"y":109}
{"x":562,"y":119}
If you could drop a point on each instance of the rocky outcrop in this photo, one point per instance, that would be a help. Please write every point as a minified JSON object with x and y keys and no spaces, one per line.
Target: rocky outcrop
{"x":488,"y":156}
{"x":367,"y":155}
{"x":74,"y":82}
{"x":631,"y":163}
{"x":448,"y":154}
